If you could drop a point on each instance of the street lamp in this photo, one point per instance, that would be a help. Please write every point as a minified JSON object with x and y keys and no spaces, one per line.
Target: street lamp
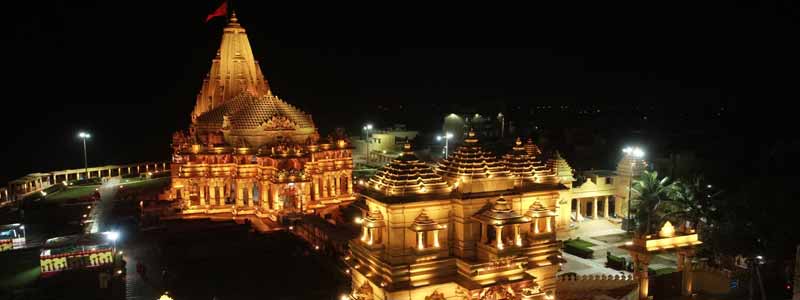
{"x":84,"y":136}
{"x":447,"y":136}
{"x":367,"y":130}
{"x":636,"y":153}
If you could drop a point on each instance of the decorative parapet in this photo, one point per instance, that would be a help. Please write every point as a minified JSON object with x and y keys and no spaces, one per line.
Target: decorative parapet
{"x":593,"y":282}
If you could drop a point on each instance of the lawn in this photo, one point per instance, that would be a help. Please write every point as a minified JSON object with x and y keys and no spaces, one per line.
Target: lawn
{"x":72,"y":192}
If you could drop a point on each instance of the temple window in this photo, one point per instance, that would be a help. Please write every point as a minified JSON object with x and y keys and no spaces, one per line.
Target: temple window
{"x":427,"y":232}
{"x":372,"y":228}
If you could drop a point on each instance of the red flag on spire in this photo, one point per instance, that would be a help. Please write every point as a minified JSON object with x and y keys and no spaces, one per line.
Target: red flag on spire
{"x":221,"y":11}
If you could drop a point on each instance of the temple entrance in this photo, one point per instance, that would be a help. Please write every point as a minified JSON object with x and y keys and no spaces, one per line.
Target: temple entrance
{"x":612,"y":207}
{"x":289,"y":196}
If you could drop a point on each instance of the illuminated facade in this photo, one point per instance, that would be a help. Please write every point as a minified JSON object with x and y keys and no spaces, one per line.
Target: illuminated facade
{"x":249,"y":152}
{"x":475,"y":226}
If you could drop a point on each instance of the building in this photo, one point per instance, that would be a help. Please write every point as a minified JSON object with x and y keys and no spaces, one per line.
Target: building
{"x":382,"y":146}
{"x":474,"y":227}
{"x":249,"y":152}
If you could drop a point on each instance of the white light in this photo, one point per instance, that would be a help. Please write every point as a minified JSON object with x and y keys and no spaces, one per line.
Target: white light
{"x":759,"y":257}
{"x":112,"y":235}
{"x":358,"y":220}
{"x":22,"y":227}
{"x":709,"y":186}
{"x":44,"y":193}
{"x":448,"y":135}
{"x":344,"y":297}
{"x":438,"y":137}
{"x":119,"y":271}
{"x":369,"y":126}
{"x":84,"y":135}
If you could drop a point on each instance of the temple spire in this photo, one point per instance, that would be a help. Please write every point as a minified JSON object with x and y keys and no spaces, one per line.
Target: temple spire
{"x":233,"y":71}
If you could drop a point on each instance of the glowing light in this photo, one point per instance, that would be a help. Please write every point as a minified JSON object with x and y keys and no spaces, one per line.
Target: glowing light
{"x":84,"y":135}
{"x":358,"y":220}
{"x":44,"y":193}
{"x":112,"y":235}
{"x":291,"y":227}
{"x":316,"y":247}
{"x":667,"y":230}
{"x":88,"y":207}
{"x":344,"y":297}
{"x":119,"y":271}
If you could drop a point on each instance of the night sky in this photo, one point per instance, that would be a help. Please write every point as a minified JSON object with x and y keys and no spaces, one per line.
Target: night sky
{"x":128,"y":72}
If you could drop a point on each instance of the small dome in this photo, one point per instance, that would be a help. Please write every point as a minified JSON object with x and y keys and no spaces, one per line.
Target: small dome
{"x":472,"y":161}
{"x":424,"y":223}
{"x":407,"y":174}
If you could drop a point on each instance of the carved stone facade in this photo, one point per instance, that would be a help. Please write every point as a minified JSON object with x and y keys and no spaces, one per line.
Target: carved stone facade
{"x":248,"y":151}
{"x":470,"y":228}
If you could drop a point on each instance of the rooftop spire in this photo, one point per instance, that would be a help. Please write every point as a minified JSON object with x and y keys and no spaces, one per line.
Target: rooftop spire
{"x":234,"y":70}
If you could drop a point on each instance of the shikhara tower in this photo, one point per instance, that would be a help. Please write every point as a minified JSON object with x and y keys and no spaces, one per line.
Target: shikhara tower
{"x":249,"y":152}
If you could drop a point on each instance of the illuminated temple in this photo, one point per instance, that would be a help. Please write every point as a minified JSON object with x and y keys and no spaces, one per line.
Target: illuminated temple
{"x":249,"y":152}
{"x":475,"y":226}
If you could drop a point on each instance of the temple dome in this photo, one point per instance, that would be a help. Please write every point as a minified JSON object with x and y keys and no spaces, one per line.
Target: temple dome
{"x":532,"y":149}
{"x":525,"y":166}
{"x":407,"y":174}
{"x":470,"y":160}
{"x":424,"y":223}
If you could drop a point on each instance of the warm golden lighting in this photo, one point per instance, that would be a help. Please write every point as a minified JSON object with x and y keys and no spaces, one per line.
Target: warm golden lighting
{"x":667,"y":230}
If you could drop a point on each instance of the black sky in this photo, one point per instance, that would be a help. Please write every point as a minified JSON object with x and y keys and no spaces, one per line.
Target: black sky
{"x":129,"y":71}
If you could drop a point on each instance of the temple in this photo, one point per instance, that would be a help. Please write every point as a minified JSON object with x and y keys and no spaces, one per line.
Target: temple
{"x":475,"y":226}
{"x":249,"y":152}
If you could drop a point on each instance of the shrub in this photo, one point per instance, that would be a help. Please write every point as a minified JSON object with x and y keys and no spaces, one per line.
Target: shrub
{"x":578,"y":249}
{"x":615,"y":262}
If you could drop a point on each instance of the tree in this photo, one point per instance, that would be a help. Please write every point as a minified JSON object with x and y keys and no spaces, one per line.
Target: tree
{"x":694,"y":202}
{"x":649,"y":194}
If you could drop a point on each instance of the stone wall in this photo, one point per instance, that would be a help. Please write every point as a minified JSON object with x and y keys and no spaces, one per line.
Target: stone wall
{"x":596,"y":287}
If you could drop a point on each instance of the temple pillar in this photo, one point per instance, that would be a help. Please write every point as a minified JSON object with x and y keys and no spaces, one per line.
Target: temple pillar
{"x":605,"y":208}
{"x":436,"y":238}
{"x":137,"y":169}
{"x":336,"y":184}
{"x":264,"y":194}
{"x":549,"y":224}
{"x":594,"y":208}
{"x":364,"y":234}
{"x":641,"y":263}
{"x":203,"y":195}
{"x":349,"y":184}
{"x":499,"y":233}
{"x":249,"y":192}
{"x":517,"y":238}
{"x":685,"y":265}
{"x":535,"y":225}
{"x":371,"y":232}
{"x":129,"y":169}
{"x":315,"y":183}
{"x":420,"y":243}
{"x":578,"y":216}
{"x":324,"y":180}
{"x":147,"y":168}
{"x":239,"y":195}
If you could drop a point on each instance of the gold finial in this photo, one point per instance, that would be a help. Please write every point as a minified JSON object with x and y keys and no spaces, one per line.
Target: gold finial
{"x":518,"y":142}
{"x":407,"y":146}
{"x":233,"y":17}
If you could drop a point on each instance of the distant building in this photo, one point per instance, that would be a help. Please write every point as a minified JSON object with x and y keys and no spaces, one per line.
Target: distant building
{"x":383,"y":145}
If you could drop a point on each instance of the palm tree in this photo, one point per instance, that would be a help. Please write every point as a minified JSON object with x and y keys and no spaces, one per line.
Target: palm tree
{"x":692,"y":202}
{"x":649,"y":194}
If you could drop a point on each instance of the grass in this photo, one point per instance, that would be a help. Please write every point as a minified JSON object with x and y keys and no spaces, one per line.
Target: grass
{"x":72,"y":192}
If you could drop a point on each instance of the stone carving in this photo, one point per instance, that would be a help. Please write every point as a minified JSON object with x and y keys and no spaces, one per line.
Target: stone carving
{"x":278,"y":123}
{"x":364,"y":292}
{"x":497,"y":292}
{"x":436,"y":295}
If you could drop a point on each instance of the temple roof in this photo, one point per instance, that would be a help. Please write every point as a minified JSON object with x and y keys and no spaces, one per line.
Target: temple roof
{"x":561,"y":168}
{"x":407,"y":174}
{"x":537,"y":210}
{"x":522,"y":164}
{"x":472,"y":161}
{"x":246,"y":112}
{"x":234,"y":70}
{"x":500,"y":213}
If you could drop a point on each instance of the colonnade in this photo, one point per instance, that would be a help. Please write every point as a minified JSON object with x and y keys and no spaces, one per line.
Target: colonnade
{"x":581,"y":207}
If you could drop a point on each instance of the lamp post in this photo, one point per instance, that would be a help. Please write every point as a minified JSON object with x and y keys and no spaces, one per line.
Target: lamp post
{"x":636,"y":153}
{"x":368,"y":130}
{"x":84,"y":136}
{"x":447,"y":136}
